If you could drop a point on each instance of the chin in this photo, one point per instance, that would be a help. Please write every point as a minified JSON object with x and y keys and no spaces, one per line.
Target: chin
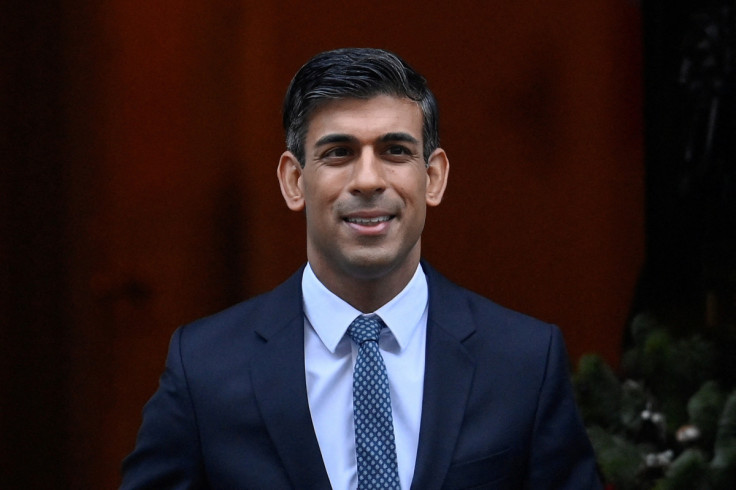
{"x":373,"y":266}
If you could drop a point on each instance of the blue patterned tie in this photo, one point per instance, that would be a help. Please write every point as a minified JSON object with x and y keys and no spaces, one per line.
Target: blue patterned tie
{"x":374,"y":428}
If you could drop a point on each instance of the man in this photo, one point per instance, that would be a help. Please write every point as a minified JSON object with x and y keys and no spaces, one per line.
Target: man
{"x":366,"y":369}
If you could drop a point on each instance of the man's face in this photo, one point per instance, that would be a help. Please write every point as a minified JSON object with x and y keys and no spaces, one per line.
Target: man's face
{"x":365,"y":186}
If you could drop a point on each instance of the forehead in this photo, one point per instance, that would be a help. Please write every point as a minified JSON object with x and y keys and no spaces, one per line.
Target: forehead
{"x":366,"y":119}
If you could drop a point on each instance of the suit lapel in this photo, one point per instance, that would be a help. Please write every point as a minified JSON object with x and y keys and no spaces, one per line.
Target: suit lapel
{"x":447,"y":380}
{"x":279,"y":384}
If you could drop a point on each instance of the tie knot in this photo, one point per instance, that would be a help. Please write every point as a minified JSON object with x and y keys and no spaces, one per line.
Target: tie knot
{"x":365,"y":327}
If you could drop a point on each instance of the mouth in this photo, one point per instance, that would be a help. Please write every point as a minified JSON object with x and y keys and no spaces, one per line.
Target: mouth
{"x":369,"y":225}
{"x":373,"y":221}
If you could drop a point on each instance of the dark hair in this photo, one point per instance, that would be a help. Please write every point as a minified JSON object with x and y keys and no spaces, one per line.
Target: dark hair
{"x":355,"y":73}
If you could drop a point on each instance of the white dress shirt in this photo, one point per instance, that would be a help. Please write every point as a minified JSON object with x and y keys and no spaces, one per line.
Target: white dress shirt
{"x":329,"y":359}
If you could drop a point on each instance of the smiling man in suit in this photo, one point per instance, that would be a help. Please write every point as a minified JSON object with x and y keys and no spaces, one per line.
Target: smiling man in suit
{"x":366,"y":369}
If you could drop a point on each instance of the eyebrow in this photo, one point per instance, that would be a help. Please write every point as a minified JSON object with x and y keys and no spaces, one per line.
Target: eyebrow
{"x":335,"y":138}
{"x":405,"y":137}
{"x":346,"y":138}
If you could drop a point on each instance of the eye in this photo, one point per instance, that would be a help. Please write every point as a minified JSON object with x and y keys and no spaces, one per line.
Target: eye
{"x":398,"y":150}
{"x":337,"y":152}
{"x":398,"y":154}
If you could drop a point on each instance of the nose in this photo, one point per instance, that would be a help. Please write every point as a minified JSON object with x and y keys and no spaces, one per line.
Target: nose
{"x":368,"y":175}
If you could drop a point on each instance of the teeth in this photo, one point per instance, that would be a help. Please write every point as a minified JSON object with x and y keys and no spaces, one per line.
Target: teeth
{"x":368,"y":221}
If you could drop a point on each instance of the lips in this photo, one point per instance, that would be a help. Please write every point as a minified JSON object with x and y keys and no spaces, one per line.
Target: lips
{"x":368,"y":221}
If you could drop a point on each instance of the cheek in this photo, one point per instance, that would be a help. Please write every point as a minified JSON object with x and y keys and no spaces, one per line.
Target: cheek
{"x":324,"y":186}
{"x":319,"y":205}
{"x":415,"y":191}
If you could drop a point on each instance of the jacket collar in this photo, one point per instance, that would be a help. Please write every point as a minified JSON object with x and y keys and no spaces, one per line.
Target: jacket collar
{"x":279,"y":384}
{"x":448,"y":377}
{"x":279,"y":368}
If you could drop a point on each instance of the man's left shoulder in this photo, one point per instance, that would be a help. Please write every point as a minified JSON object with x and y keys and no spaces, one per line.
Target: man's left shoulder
{"x":454,"y":303}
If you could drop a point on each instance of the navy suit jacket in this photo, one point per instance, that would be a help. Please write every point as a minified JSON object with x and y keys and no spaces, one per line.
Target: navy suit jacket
{"x":231,"y":411}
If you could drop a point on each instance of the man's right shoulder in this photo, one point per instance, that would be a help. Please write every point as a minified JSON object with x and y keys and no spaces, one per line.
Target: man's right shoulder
{"x":248,"y":320}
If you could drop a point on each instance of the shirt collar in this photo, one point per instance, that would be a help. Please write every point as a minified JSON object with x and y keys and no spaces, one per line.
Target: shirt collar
{"x":330,"y":316}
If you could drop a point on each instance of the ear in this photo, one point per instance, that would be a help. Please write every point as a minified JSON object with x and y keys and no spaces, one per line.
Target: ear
{"x":438,"y":169}
{"x":289,"y":173}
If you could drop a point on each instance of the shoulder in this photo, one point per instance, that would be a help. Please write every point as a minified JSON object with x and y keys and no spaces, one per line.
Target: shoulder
{"x":481,"y":322}
{"x":452,"y":301}
{"x":243,"y":325}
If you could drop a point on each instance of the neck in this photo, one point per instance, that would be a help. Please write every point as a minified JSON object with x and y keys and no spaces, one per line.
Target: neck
{"x":366,"y":293}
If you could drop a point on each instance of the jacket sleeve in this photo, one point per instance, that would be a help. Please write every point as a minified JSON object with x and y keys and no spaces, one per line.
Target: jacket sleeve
{"x":561,"y":455}
{"x":167,"y":452}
